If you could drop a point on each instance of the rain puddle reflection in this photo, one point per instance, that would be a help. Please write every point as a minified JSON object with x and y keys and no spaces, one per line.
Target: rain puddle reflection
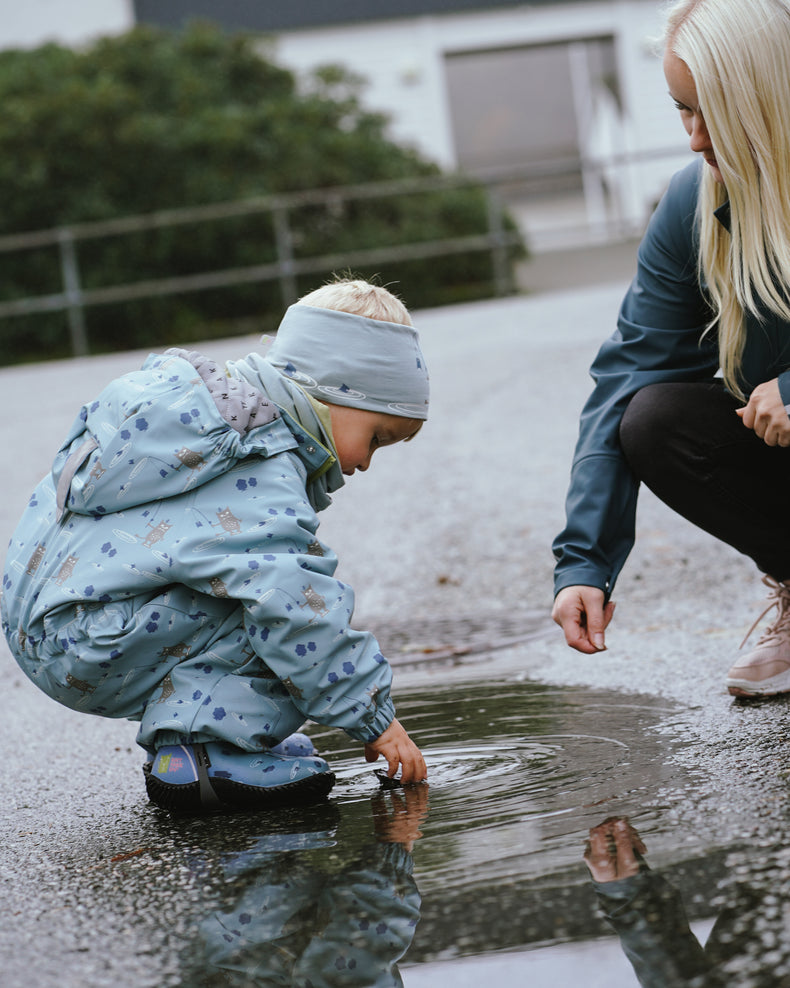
{"x":479,"y":875}
{"x":478,"y":872}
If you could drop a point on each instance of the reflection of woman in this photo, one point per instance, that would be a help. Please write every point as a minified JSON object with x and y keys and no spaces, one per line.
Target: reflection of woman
{"x":746,"y":944}
{"x":642,"y":908}
{"x":711,"y":290}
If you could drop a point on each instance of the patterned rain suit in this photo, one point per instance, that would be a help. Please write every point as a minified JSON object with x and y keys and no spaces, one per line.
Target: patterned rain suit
{"x":168,"y":570}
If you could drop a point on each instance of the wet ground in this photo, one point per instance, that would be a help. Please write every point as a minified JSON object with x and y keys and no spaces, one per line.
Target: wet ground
{"x":478,"y":875}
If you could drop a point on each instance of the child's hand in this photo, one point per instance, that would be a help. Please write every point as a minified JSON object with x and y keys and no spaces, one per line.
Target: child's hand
{"x":398,"y":814}
{"x":399,"y":749}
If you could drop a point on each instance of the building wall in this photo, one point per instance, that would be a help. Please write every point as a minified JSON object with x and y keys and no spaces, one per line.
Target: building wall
{"x":30,"y":23}
{"x":419,"y":70}
{"x":405,"y":64}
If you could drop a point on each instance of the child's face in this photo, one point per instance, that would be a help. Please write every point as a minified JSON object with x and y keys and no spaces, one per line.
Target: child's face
{"x":359,"y":433}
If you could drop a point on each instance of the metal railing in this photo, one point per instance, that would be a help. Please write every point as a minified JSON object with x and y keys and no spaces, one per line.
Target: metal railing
{"x":73,"y":299}
{"x":497,"y":240}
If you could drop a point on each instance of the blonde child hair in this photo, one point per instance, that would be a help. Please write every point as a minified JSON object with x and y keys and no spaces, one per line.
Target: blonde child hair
{"x":738,"y":53}
{"x":353,"y":343}
{"x":360,"y":298}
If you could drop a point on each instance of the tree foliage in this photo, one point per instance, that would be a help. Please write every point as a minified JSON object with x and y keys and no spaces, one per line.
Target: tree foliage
{"x":153,"y":120}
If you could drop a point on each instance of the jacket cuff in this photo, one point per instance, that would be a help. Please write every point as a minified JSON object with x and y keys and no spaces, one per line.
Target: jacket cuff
{"x":581,"y":577}
{"x":384,"y":716}
{"x":784,"y":387}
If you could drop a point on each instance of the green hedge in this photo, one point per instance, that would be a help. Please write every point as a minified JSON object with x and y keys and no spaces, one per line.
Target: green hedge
{"x":153,"y":120}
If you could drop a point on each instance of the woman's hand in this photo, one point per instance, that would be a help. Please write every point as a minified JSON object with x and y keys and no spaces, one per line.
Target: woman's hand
{"x":614,"y":850}
{"x":766,"y":414}
{"x":399,"y":749}
{"x":582,"y":615}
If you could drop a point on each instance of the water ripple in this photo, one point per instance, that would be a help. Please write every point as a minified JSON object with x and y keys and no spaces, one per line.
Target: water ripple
{"x":518,"y":773}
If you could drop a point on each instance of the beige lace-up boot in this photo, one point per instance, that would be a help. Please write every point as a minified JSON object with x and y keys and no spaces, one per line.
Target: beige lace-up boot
{"x":765,"y":671}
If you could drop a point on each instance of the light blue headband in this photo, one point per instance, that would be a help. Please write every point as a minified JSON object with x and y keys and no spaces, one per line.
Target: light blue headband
{"x":351,"y":360}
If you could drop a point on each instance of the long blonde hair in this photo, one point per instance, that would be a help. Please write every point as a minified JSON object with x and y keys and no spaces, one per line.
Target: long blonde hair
{"x":738,"y":53}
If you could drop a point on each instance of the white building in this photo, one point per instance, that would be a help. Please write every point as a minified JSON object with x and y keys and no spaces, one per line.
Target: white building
{"x":36,"y":22}
{"x":565,"y":98}
{"x":571,"y":89}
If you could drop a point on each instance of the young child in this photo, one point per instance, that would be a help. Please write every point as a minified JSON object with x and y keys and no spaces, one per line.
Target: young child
{"x":168,"y":570}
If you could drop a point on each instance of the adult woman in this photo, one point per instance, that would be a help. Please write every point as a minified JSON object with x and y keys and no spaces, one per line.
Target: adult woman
{"x":712,"y":291}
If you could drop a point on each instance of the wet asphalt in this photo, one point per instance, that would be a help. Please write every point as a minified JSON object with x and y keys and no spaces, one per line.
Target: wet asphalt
{"x":447,"y":542}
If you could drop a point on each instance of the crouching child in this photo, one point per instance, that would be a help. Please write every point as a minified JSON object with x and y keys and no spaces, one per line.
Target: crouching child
{"x":167,"y":570}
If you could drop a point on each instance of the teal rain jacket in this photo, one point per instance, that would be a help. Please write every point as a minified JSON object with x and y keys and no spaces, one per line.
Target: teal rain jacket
{"x":660,"y":337}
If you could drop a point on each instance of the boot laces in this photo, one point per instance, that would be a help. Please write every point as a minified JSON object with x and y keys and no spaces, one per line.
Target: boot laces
{"x":779,"y":597}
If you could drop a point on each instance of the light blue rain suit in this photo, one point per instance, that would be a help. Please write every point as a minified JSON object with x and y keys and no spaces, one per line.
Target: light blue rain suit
{"x":168,"y":570}
{"x":296,"y":921}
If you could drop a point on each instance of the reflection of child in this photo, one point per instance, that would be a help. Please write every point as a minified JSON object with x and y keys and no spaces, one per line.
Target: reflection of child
{"x":314,"y":906}
{"x":168,"y":571}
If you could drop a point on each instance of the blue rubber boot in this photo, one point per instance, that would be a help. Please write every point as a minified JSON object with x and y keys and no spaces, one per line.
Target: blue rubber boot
{"x":195,"y":778}
{"x":294,"y":744}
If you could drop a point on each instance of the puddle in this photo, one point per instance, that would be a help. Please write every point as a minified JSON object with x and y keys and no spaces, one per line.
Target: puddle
{"x":518,"y":774}
{"x":477,"y":875}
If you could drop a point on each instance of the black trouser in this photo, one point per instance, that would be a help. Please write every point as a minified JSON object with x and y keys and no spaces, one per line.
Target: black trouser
{"x":685,"y":442}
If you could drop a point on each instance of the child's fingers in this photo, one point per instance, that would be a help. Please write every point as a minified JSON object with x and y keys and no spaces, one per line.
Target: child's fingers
{"x":388,"y":752}
{"x":393,"y":761}
{"x":414,"y":769}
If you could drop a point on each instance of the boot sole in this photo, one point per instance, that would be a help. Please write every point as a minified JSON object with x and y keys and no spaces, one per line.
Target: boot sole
{"x":754,"y":695}
{"x":237,"y":795}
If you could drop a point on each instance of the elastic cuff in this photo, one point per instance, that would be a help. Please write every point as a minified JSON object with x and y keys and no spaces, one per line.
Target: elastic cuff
{"x":384,"y":716}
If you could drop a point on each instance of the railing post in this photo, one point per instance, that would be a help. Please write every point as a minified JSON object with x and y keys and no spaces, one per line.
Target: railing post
{"x":496,"y":236}
{"x":285,"y":255}
{"x":73,"y":292}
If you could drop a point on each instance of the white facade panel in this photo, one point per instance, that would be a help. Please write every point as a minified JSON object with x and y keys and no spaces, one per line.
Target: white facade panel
{"x":67,"y":22}
{"x":404,"y":65}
